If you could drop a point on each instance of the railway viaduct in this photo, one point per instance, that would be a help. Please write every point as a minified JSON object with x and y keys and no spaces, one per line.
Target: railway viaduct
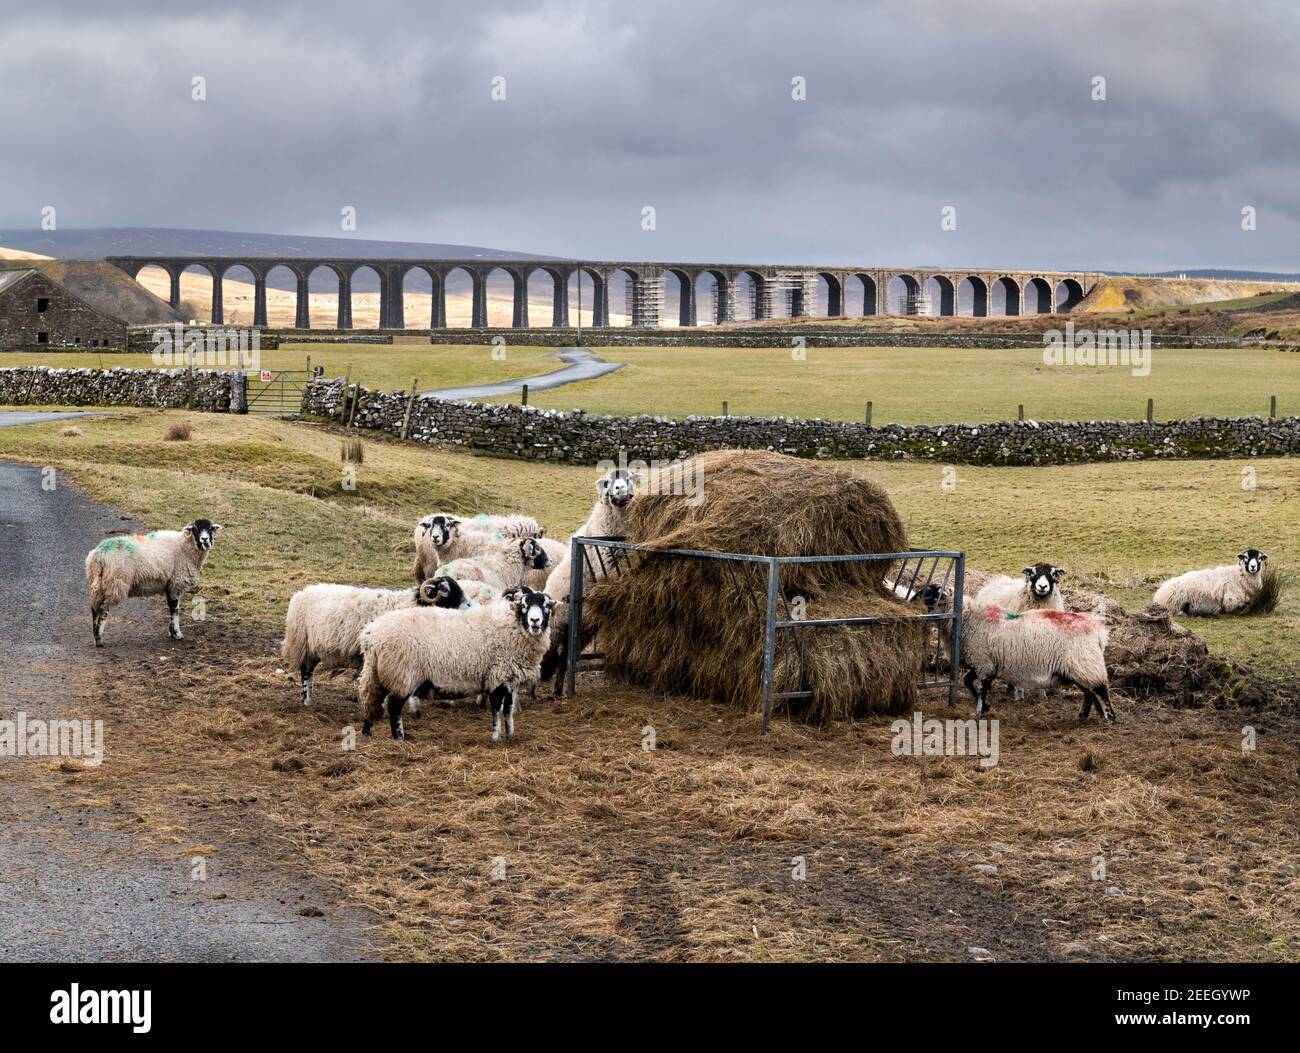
{"x":772,"y":290}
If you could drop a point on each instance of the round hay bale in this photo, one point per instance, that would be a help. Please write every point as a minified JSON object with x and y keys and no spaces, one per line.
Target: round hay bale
{"x":695,"y":626}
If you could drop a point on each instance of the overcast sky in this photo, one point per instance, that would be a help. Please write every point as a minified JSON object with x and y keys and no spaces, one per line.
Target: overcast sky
{"x":682,"y":105}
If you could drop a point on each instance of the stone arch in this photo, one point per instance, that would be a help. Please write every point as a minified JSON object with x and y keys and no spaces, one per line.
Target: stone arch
{"x":977,"y":297}
{"x":866,"y":300}
{"x":1039,"y":291}
{"x":588,"y":294}
{"x":686,"y":313}
{"x":941,"y":294}
{"x":753,"y":296}
{"x":371,"y":282}
{"x":905,"y":295}
{"x":1006,"y":296}
{"x":321,"y":284}
{"x":458,"y":295}
{"x":620,"y":291}
{"x":1069,"y":294}
{"x":830,"y":292}
{"x":715,"y":294}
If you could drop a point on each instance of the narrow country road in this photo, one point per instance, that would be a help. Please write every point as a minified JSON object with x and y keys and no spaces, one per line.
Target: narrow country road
{"x":72,"y":888}
{"x":581,"y":364}
{"x":12,"y":417}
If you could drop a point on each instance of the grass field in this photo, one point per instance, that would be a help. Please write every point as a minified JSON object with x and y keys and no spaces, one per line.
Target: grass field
{"x":929,"y":386}
{"x":906,"y":385}
{"x":575,"y":843}
{"x":279,"y":488}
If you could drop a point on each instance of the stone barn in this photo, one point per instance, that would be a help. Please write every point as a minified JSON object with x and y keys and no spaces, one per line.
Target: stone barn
{"x":71,"y":305}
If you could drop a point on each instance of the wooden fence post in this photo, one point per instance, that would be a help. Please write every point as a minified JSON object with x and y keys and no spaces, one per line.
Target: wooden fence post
{"x":406,"y":420}
{"x":1020,"y":413}
{"x":868,"y":413}
{"x":356,"y":397}
{"x":525,"y":402}
{"x":725,"y":411}
{"x":1272,"y":407}
{"x":1151,"y":410}
{"x":343,"y":400}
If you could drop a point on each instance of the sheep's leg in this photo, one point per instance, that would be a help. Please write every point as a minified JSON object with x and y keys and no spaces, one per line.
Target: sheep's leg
{"x":969,"y":681}
{"x":413,"y":705}
{"x":174,"y":611}
{"x":510,"y":715}
{"x":982,"y":704}
{"x":372,"y":705}
{"x":305,"y":673}
{"x":496,"y":705}
{"x":395,"y":704}
{"x":97,"y":616}
{"x":1088,"y":700}
{"x":1103,"y":702}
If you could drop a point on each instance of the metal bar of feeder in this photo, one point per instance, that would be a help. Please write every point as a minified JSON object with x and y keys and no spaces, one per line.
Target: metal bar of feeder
{"x":576,"y":557}
{"x":955,"y":666}
{"x":769,"y":640}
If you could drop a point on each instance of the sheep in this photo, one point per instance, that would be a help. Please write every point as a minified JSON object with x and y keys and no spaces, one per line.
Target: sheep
{"x":503,"y":567}
{"x":608,"y":518}
{"x":555,"y":553}
{"x":1037,"y":591}
{"x":441,"y":538}
{"x":160,"y":563}
{"x":494,"y":649}
{"x":1035,"y":648}
{"x":324,"y":622}
{"x":1218,"y":590}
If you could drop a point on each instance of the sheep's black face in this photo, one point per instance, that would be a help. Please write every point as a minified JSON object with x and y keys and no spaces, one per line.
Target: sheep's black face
{"x":532,"y":554}
{"x":533,"y":609}
{"x":442,"y":592}
{"x":618,"y":487}
{"x":203,"y":532}
{"x":441,"y":529}
{"x":1252,"y":560}
{"x":1042,"y":578}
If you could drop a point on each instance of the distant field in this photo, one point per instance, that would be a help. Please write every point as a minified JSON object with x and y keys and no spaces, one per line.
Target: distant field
{"x":934,"y":385}
{"x":383,"y":367}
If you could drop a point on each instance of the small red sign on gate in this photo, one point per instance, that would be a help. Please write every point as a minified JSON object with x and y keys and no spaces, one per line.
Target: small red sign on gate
{"x":266,"y":375}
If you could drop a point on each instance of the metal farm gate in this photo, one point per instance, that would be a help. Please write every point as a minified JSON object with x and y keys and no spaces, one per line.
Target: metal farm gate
{"x":757,"y":581}
{"x":277,"y":391}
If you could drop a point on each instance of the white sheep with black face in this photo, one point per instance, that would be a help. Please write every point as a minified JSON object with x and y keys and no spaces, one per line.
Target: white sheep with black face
{"x":1035,"y":649}
{"x":608,"y":518}
{"x":1218,"y":590}
{"x":427,"y":652}
{"x":160,"y":563}
{"x":322,"y":627}
{"x":503,"y":567}
{"x":1037,"y":590}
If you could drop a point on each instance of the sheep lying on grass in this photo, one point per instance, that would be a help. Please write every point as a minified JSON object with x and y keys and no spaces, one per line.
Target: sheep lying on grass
{"x":324,"y":622}
{"x":430,"y":652}
{"x":161,"y":563}
{"x":1226,"y":589}
{"x":502,"y":568}
{"x":1035,"y":648}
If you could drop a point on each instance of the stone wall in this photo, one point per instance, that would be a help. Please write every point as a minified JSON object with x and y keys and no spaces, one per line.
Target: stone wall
{"x":581,"y":438}
{"x":205,"y":389}
{"x":813,"y":335}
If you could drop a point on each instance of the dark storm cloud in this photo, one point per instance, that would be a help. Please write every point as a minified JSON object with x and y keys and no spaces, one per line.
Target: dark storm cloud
{"x":682,"y":106}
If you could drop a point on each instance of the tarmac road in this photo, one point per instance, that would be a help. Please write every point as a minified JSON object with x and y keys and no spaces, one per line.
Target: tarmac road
{"x":72,"y":889}
{"x":582,"y":364}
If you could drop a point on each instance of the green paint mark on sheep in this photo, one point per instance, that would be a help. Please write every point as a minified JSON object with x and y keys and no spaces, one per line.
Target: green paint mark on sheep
{"x":118,"y":544}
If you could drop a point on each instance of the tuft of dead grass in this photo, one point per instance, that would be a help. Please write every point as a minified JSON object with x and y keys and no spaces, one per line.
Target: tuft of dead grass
{"x":179,"y":431}
{"x":1272,"y":585}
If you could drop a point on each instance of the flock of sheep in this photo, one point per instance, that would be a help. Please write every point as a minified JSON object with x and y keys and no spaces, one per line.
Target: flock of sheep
{"x":1020,"y":632}
{"x":480,"y":621}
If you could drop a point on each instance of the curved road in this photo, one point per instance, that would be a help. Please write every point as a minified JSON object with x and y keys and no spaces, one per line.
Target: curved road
{"x":74,"y":889}
{"x":581,"y":364}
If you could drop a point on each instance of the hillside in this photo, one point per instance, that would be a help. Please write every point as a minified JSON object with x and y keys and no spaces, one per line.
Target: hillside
{"x":1142,"y":294}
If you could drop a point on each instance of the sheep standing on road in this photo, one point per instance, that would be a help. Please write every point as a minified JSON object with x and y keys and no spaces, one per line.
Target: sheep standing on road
{"x":1218,"y":590}
{"x":425,"y":652}
{"x":1037,"y":591}
{"x":1035,"y":648}
{"x":324,"y":622}
{"x":504,"y":567}
{"x":160,"y":563}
